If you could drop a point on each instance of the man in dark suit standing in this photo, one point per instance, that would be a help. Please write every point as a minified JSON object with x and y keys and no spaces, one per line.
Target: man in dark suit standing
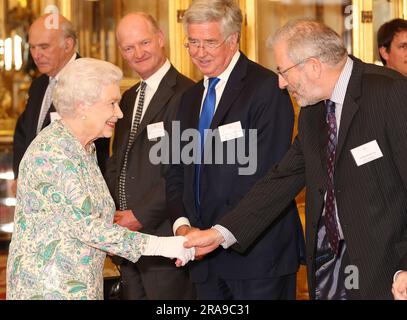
{"x":52,"y":41}
{"x":350,"y":154}
{"x":239,"y":95}
{"x":137,"y":185}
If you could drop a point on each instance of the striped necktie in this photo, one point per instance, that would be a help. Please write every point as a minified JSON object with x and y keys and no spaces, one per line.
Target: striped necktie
{"x":132,"y":137}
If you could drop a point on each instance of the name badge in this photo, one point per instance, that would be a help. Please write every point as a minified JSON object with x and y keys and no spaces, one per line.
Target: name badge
{"x":367,"y":152}
{"x":54,"y":116}
{"x":155,"y":130}
{"x":230,"y":131}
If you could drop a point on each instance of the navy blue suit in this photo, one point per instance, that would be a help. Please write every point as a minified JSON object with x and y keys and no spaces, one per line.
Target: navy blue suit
{"x":252,"y":97}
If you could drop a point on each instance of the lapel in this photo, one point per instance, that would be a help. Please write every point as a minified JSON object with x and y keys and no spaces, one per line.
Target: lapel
{"x":323,"y":133}
{"x":127,"y":106}
{"x":233,"y":87}
{"x":160,"y":99}
{"x":350,"y":106}
{"x":35,"y":100}
{"x":195,"y":104}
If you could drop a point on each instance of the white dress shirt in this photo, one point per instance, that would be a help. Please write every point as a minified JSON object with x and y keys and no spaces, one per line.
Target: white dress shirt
{"x":152,"y":84}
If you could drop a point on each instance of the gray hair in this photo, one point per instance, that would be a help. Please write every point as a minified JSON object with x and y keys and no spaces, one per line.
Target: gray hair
{"x":68,"y":31}
{"x":225,"y":11}
{"x":83,"y":80}
{"x":310,"y":38}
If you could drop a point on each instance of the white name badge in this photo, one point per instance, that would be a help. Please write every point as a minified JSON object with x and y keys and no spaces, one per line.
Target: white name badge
{"x":367,"y":152}
{"x":230,"y":131}
{"x":54,"y":116}
{"x":155,"y":130}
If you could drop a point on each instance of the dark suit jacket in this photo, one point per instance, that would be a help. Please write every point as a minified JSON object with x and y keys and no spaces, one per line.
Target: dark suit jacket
{"x":26,"y":127}
{"x":371,"y":199}
{"x":145,"y":188}
{"x":252,"y":97}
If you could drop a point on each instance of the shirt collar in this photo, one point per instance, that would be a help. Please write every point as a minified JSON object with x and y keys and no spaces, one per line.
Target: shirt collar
{"x":154,"y":80}
{"x":224,"y":76}
{"x":338,"y":95}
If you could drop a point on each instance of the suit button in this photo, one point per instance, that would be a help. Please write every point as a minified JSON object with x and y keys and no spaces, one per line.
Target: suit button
{"x":338,"y":191}
{"x":321,"y":191}
{"x":132,"y":178}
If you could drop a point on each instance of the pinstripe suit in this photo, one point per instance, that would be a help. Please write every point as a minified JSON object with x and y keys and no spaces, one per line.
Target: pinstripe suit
{"x":371,"y":199}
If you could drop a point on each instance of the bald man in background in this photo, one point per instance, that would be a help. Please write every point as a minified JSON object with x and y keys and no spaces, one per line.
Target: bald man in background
{"x":137,"y":185}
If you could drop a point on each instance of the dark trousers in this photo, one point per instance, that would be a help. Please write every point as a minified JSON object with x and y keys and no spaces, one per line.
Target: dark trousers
{"x":141,"y":281}
{"x":277,"y":288}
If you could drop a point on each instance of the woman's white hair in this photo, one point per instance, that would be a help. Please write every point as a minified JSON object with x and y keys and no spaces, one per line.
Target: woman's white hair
{"x":82,"y":81}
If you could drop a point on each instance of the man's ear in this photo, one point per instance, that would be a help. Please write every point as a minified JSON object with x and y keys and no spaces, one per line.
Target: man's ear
{"x":316,"y":66}
{"x":161,"y":39}
{"x":383,"y":53}
{"x":68,"y":44}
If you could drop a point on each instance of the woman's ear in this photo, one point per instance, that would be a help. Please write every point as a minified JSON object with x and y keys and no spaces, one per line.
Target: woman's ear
{"x":81,"y":110}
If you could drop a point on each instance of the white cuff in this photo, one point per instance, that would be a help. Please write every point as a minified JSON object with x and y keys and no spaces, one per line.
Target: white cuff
{"x":179,"y":222}
{"x":227,"y":235}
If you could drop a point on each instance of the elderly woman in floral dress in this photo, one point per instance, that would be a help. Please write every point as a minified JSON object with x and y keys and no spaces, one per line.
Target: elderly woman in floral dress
{"x":64,"y":212}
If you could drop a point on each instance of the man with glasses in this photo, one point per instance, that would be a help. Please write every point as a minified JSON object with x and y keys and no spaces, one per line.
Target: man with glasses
{"x":235,"y":95}
{"x":350,"y":154}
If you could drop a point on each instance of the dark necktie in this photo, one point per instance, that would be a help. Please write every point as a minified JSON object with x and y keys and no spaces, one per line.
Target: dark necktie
{"x":331,"y":222}
{"x":132,"y":136}
{"x":208,"y":109}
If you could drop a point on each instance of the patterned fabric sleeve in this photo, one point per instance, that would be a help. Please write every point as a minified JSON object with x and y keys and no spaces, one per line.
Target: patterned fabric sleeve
{"x":57,"y":182}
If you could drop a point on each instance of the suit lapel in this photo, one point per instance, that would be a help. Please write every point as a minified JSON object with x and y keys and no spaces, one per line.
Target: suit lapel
{"x":123,"y":131}
{"x":323,"y":133}
{"x":159,"y":101}
{"x":350,"y":107}
{"x":233,"y":87}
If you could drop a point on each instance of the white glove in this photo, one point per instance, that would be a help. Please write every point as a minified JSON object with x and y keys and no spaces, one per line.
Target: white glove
{"x":170,"y":247}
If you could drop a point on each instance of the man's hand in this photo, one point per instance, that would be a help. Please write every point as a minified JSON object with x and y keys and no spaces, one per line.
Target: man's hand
{"x":399,"y":288}
{"x":184,"y":230}
{"x":204,"y":241}
{"x":127,"y":219}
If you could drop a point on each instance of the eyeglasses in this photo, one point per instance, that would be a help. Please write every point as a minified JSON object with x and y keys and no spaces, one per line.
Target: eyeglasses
{"x":194,"y":44}
{"x":284,"y":72}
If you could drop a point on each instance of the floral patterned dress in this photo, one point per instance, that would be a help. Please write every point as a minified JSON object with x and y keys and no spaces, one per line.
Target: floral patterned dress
{"x":63,"y":222}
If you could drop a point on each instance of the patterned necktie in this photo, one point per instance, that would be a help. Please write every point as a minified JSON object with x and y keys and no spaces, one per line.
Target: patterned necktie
{"x":208,"y":109}
{"x":47,"y":103}
{"x":331,"y":222}
{"x":132,"y":136}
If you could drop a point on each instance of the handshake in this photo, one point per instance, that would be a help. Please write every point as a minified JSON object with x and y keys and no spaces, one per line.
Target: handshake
{"x":195,"y":244}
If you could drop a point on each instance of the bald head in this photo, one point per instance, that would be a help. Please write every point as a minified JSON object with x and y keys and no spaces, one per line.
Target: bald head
{"x":52,"y":42}
{"x":141,"y":43}
{"x":135,"y":20}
